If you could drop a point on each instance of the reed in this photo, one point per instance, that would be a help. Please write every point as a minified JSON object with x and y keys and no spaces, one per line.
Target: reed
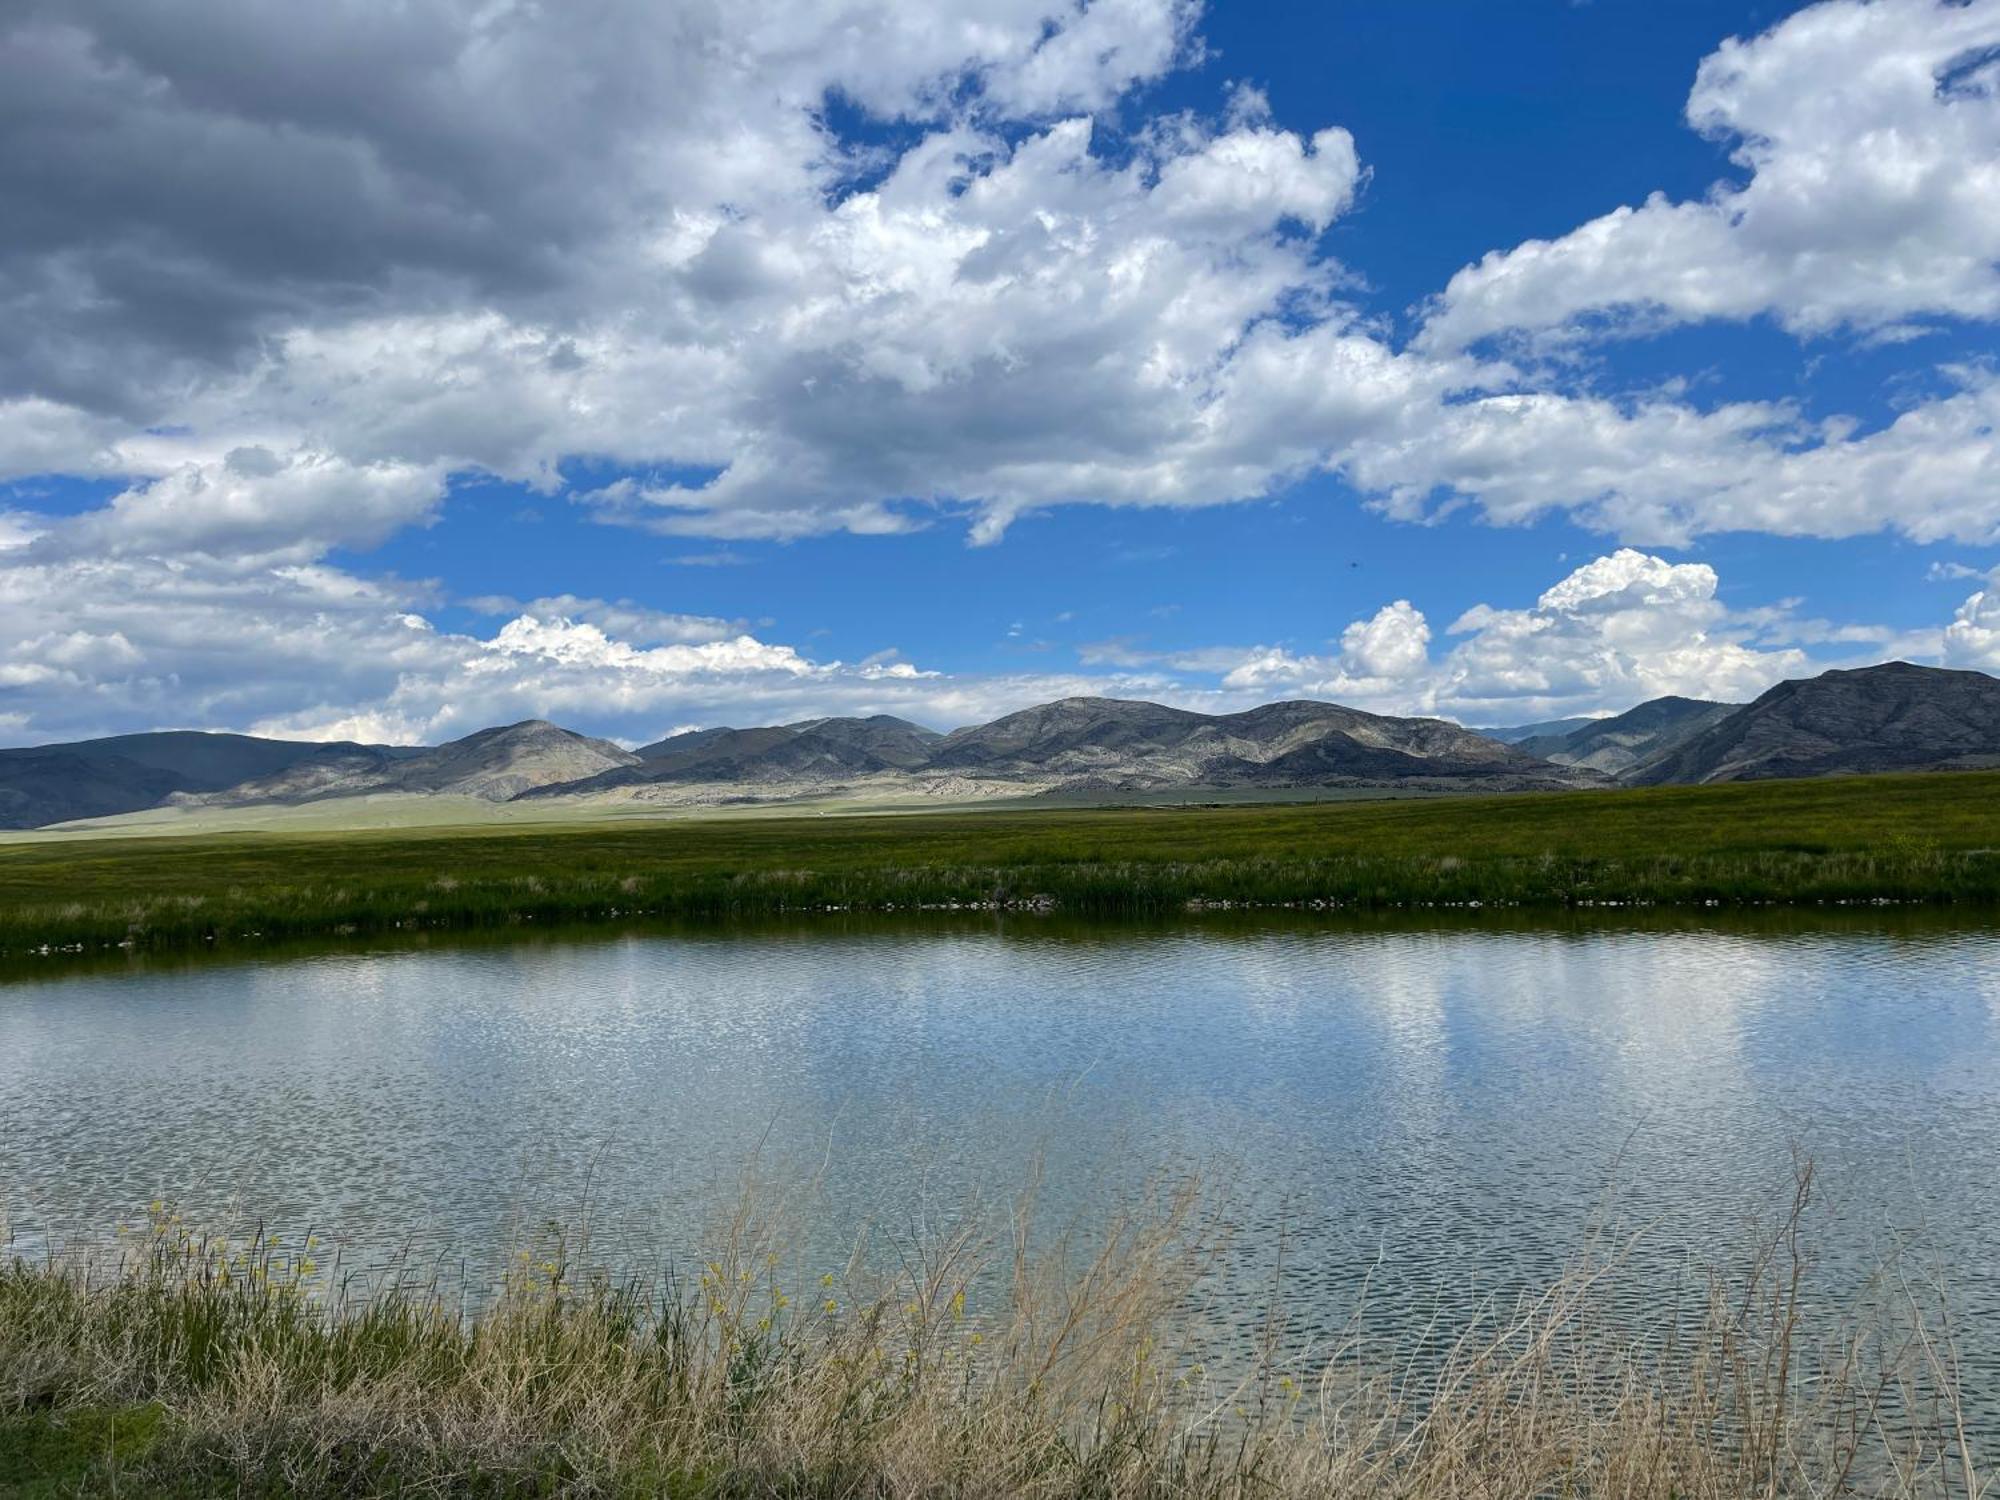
{"x":978,"y":1363}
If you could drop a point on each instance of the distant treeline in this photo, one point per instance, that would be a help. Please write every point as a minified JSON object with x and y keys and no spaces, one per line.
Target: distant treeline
{"x":1922,"y":839}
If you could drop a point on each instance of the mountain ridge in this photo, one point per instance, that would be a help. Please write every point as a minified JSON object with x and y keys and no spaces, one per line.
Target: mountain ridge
{"x":1624,"y":743}
{"x":1513,"y":734}
{"x":493,"y":765}
{"x":1896,"y":716}
{"x":121,"y":773}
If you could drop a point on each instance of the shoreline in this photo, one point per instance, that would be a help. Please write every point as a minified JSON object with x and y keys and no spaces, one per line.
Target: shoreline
{"x":965,"y":1364}
{"x":1870,"y":843}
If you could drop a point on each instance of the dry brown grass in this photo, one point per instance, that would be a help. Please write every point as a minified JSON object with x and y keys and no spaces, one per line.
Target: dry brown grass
{"x":975,"y":1365}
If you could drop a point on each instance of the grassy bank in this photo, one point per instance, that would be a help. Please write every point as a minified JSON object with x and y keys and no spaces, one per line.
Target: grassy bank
{"x":197,"y":1367}
{"x":1927,"y":839}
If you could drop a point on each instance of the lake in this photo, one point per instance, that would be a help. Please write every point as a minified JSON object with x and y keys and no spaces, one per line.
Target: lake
{"x":1440,"y":1113}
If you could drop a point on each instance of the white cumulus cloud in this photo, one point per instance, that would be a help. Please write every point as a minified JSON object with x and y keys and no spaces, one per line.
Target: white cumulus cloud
{"x":1869,"y":131}
{"x":1618,"y":630}
{"x":279,"y":280}
{"x":1972,"y":639}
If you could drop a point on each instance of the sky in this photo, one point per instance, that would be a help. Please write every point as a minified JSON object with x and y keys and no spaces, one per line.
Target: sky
{"x":387,"y":372}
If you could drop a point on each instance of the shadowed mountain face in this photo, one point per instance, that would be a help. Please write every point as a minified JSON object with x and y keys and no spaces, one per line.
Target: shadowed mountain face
{"x":1895,"y":717}
{"x":892,"y":741}
{"x":57,"y":784}
{"x":1623,"y":746}
{"x":129,"y":772}
{"x":707,"y":747}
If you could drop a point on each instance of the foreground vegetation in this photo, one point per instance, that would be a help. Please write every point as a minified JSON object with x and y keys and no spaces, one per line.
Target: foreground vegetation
{"x":196,"y":1366}
{"x":1927,"y":839}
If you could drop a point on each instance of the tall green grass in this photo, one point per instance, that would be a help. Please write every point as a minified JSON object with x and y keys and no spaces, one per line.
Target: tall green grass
{"x":973,"y":1367}
{"x":1905,"y":839}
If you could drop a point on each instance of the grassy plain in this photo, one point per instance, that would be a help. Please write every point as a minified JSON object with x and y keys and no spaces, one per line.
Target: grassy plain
{"x":1907,"y":839}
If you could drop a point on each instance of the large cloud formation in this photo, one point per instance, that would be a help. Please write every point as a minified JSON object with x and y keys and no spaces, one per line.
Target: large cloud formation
{"x":278,"y":275}
{"x":1871,"y":137}
{"x":1618,"y":630}
{"x":335,"y":657}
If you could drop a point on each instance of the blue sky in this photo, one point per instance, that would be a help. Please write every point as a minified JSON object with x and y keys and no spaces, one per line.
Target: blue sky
{"x":940,"y":368}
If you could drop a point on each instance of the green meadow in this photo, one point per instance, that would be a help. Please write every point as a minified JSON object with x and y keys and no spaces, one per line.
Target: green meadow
{"x":1929,"y":839}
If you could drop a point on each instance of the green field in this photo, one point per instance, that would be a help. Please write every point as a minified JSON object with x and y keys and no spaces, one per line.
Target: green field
{"x":1926,"y":839}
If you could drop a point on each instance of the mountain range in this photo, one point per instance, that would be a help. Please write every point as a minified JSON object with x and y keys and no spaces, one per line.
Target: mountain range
{"x":1107,"y":745}
{"x":494,"y":765}
{"x":1891,"y":717}
{"x":1626,"y":744}
{"x":126,"y":772}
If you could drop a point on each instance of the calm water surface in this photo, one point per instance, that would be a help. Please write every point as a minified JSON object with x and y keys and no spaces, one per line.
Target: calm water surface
{"x":1444,"y":1113}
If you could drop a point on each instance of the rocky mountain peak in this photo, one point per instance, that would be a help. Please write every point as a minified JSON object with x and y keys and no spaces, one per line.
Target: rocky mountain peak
{"x":1897,"y":716}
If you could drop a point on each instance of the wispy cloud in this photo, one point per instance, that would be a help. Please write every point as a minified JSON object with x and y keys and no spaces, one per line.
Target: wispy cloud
{"x":1952,"y":572}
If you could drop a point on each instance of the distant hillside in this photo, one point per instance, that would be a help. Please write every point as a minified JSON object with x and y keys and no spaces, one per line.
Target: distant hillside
{"x":1069,"y":736}
{"x":1513,"y":734}
{"x":892,"y":741}
{"x":127,"y":772}
{"x":56,"y":784}
{"x":811,"y":752}
{"x":493,"y":764}
{"x":1895,"y":717}
{"x":1112,"y":744}
{"x":1621,"y":745}
{"x":676,"y":744}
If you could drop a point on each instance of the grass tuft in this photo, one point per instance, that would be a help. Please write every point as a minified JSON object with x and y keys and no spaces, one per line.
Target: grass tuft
{"x":973,"y":1367}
